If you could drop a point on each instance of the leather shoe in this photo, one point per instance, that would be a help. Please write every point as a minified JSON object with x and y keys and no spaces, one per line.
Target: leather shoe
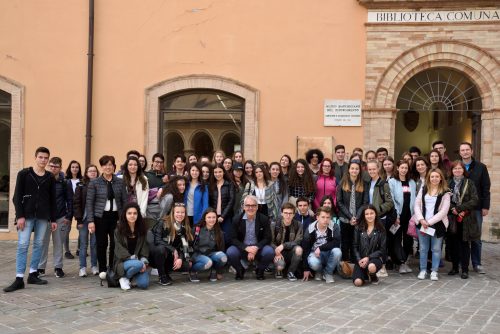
{"x":240,"y":274}
{"x":464,"y":275}
{"x":260,"y":274}
{"x":453,"y":272}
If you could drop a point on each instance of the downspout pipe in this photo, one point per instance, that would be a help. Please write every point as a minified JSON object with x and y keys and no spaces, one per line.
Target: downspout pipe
{"x":90,"y":78}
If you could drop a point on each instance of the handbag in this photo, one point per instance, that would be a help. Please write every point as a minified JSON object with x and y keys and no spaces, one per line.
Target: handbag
{"x":345,"y":269}
{"x":111,"y":278}
{"x":412,"y":227}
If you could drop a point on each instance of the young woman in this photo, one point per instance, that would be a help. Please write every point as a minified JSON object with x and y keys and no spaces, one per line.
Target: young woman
{"x":301,"y":182}
{"x":240,"y":181}
{"x":222,"y":198}
{"x":431,"y":211}
{"x":172,"y":193}
{"x":326,"y":184}
{"x":131,"y":249}
{"x":352,"y":194}
{"x":73,"y":177}
{"x":369,"y":247}
{"x":370,"y":156}
{"x":263,"y":189}
{"x":143,"y":162}
{"x":436,"y":161}
{"x":192,"y":158}
{"x":314,"y":157}
{"x":279,"y":183}
{"x":419,"y":171}
{"x":136,"y":184}
{"x":285,"y":163}
{"x":249,"y":166}
{"x":179,"y":166}
{"x":387,"y":169}
{"x":208,"y":248}
{"x":169,"y":242}
{"x":196,"y":195}
{"x":464,"y":200}
{"x":406,"y":156}
{"x":404,"y":192}
{"x":206,"y":172}
{"x":218,"y":157}
{"x":228,"y":165}
{"x":79,"y":213}
{"x":238,"y":157}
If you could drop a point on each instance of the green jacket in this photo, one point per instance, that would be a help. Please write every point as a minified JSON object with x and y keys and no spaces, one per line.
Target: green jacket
{"x":121,"y":252}
{"x":383,"y":205}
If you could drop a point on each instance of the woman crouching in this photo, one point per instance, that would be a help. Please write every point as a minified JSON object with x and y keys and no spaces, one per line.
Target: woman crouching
{"x":369,"y":247}
{"x":208,"y":248}
{"x":131,"y":249}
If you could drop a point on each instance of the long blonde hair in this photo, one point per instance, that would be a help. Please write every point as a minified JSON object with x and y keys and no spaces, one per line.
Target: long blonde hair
{"x":358,"y":182}
{"x":443,"y":185}
{"x":168,"y":223}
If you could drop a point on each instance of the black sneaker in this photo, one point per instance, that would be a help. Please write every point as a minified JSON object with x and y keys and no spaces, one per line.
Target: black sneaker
{"x":41,"y":272}
{"x":374,"y":279}
{"x":291,"y":277}
{"x":260,"y":274}
{"x":165,"y":280}
{"x":213,"y":276}
{"x":193,"y":277}
{"x":465,"y":275}
{"x":34,"y":279}
{"x":68,"y":255}
{"x":240,"y":274}
{"x":77,"y":253}
{"x":16,"y":285}
{"x":59,"y":272}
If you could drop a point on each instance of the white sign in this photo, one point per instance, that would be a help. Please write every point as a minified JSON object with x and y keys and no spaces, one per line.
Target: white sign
{"x":465,"y":15}
{"x":342,"y":113}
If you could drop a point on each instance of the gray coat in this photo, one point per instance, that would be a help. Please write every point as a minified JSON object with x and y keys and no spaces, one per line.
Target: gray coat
{"x":97,"y":195}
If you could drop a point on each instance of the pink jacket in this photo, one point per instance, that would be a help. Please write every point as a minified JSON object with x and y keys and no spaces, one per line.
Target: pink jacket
{"x":325,"y":186}
{"x":441,"y":215}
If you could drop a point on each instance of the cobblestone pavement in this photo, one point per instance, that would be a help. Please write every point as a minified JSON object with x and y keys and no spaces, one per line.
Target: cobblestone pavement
{"x":400,"y":304}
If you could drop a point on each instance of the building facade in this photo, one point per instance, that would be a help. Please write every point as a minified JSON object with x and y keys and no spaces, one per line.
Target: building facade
{"x":197,"y":76}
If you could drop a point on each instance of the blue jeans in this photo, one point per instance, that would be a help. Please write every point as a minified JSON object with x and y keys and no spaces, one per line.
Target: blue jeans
{"x":38,"y":226}
{"x":83,"y":237}
{"x":215,"y":260}
{"x":477,"y":245}
{"x":328,"y":260}
{"x":265,"y":256}
{"x":425,"y":241}
{"x":133,"y":269}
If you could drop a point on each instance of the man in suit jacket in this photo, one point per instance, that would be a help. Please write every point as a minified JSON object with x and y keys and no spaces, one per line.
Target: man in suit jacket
{"x":251,"y":239}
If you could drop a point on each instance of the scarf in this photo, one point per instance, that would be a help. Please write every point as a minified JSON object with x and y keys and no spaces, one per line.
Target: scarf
{"x":455,"y":198}
{"x":352,"y":202}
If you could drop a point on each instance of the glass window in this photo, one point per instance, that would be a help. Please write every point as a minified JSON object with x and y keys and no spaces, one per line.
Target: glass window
{"x":5,"y":126}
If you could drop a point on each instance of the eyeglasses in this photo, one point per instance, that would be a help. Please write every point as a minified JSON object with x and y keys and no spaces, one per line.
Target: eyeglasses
{"x":158,"y":162}
{"x":54,"y":166}
{"x":250,"y":206}
{"x":288,"y":213}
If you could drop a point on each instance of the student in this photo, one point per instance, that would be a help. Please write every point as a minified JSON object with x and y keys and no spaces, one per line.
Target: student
{"x":285,"y":164}
{"x":195,"y":195}
{"x":240,"y":181}
{"x":222,"y":198}
{"x":173,"y":193}
{"x":218,"y":157}
{"x":436,"y":161}
{"x":415,"y":152}
{"x":179,"y":165}
{"x":387,"y":169}
{"x":169,"y":242}
{"x":321,"y":247}
{"x":304,"y":214}
{"x":381,"y":153}
{"x":463,"y":201}
{"x":404,"y":192}
{"x":208,"y":248}
{"x":156,"y":180}
{"x":228,"y":165}
{"x":300,"y":182}
{"x":250,"y":238}
{"x":287,"y":239}
{"x":369,"y":247}
{"x":192,"y":158}
{"x":63,"y":219}
{"x":136,"y":184}
{"x":431,"y":211}
{"x":238,"y":157}
{"x":279,"y":183}
{"x":326,"y":184}
{"x":131,"y":249}
{"x":35,"y":205}
{"x":263,"y":189}
{"x":340,"y":165}
{"x":206,"y":172}
{"x":73,"y":176}
{"x":249,"y":166}
{"x":370,"y":156}
{"x":106,"y":198}
{"x":314,"y":157}
{"x":91,"y":173}
{"x":143,"y":162}
{"x":419,"y":171}
{"x":478,"y":173}
{"x":131,"y":153}
{"x":438,"y":145}
{"x":352,"y":194}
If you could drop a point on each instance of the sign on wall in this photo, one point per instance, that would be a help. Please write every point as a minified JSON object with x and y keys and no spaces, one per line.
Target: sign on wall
{"x":342,"y":113}
{"x":465,"y":15}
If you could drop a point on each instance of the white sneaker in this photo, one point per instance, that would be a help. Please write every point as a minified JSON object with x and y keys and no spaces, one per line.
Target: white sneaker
{"x":154,"y":272}
{"x":95,"y":271}
{"x":422,"y":274}
{"x":407,"y":267}
{"x":434,"y":276}
{"x":382,"y":272}
{"x":82,"y":272}
{"x":124,"y":283}
{"x":329,"y":278}
{"x":102,"y":275}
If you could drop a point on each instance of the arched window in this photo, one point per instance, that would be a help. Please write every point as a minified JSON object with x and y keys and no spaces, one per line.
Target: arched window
{"x":214,"y":112}
{"x":5,"y":126}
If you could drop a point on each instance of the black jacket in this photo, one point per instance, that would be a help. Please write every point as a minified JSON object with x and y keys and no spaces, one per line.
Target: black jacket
{"x":227,"y":199}
{"x":79,"y":202}
{"x":97,"y":196}
{"x":262,"y":231}
{"x":332,"y":241}
{"x":344,"y":200}
{"x":373,"y":247}
{"x":479,"y":174}
{"x":64,"y":194}
{"x":35,"y":197}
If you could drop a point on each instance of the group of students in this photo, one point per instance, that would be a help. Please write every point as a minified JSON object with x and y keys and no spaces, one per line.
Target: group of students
{"x":302,"y":219}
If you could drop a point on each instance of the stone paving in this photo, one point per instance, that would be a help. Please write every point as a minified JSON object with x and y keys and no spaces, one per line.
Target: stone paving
{"x":399,"y":304}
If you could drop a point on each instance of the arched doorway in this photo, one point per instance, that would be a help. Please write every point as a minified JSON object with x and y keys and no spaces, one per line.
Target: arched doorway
{"x":173,"y":144}
{"x":438,"y":104}
{"x":202,"y":144}
{"x":229,"y":143}
{"x":5,"y":135}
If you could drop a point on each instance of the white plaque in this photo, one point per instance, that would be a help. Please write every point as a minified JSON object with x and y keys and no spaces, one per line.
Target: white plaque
{"x":342,"y":113}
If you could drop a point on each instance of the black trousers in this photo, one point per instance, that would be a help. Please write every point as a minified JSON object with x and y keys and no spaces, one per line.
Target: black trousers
{"x":362,"y":273}
{"x":104,"y":229}
{"x":347,"y":235}
{"x":402,"y":245}
{"x":460,"y":250}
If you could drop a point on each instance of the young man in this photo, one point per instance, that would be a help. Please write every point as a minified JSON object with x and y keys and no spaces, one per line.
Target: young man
{"x":439,"y":146}
{"x":35,"y":204}
{"x":415,"y":152}
{"x":303,"y":213}
{"x":287,"y":239}
{"x":251,"y":239}
{"x":322,"y":247}
{"x":63,"y":219}
{"x":381,"y":153}
{"x":339,"y":165}
{"x":479,"y":174}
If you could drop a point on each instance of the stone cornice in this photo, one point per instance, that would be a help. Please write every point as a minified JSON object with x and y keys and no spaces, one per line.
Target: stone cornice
{"x":427,"y":4}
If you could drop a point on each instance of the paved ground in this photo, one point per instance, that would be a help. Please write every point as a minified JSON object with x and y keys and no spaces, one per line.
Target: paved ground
{"x":400,"y":304}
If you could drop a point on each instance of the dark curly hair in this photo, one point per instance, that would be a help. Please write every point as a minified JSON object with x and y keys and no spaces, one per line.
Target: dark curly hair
{"x":311,"y":152}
